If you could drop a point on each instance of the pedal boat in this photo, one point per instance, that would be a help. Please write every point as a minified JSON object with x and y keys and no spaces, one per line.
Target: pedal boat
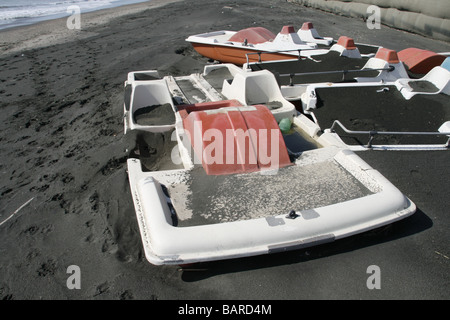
{"x":381,"y":106}
{"x":395,"y":111}
{"x":193,"y":205}
{"x":259,"y":44}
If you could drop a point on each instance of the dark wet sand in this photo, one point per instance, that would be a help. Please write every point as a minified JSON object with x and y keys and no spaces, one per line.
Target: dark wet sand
{"x":64,"y":184}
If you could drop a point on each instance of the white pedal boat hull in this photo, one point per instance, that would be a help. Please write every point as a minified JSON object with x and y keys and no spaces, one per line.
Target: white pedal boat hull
{"x":167,"y":244}
{"x":319,"y":186}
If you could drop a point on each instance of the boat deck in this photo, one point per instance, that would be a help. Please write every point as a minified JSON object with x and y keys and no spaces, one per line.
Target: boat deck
{"x":382,"y":108}
{"x":193,"y":89}
{"x":200,"y":199}
{"x":216,"y":77}
{"x":331,"y":61}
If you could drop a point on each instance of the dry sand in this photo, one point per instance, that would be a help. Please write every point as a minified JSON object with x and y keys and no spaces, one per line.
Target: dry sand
{"x":65,"y":198}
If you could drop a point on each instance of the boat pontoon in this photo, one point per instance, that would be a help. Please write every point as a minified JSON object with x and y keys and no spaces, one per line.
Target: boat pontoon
{"x":260,"y":44}
{"x":213,"y":177}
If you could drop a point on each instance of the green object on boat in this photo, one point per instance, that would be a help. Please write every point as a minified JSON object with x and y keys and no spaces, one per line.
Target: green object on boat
{"x":285,"y":125}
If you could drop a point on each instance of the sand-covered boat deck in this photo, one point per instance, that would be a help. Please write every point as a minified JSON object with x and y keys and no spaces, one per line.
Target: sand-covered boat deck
{"x":201,"y":199}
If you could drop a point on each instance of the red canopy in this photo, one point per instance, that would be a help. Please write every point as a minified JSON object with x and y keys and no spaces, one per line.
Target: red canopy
{"x":420,"y":61}
{"x":232,"y":140}
{"x":253,"y":35}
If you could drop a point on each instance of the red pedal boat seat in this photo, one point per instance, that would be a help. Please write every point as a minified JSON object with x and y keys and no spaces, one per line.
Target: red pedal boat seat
{"x":229,"y":138}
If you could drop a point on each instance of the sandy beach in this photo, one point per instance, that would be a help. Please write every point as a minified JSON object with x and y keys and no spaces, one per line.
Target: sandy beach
{"x":65,"y":198}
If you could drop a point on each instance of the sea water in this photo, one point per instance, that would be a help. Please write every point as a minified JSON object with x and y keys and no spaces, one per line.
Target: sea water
{"x":15,"y":13}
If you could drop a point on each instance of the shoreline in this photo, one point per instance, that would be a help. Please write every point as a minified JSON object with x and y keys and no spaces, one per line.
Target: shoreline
{"x":54,"y":31}
{"x":27,"y":21}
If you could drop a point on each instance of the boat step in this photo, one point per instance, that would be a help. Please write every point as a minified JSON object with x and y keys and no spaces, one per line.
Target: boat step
{"x":192,"y":89}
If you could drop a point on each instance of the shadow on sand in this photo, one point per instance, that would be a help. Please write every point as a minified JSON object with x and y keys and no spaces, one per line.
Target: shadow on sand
{"x":416,"y":223}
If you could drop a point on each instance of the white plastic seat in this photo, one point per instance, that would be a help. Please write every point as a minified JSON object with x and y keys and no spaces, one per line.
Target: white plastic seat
{"x":259,"y":87}
{"x":438,"y":76}
{"x":145,"y":94}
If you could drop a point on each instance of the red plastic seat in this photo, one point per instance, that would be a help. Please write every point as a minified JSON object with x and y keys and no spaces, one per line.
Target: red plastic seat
{"x":387,"y":55}
{"x":346,"y":42}
{"x":230,"y":139}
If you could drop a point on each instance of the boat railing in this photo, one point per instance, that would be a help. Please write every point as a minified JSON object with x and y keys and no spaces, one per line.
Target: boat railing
{"x":373,"y":133}
{"x":344,"y":72}
{"x":259,"y":53}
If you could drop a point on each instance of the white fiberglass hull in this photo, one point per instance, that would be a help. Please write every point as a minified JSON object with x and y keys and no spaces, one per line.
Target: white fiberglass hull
{"x":165,"y":243}
{"x":186,"y":216}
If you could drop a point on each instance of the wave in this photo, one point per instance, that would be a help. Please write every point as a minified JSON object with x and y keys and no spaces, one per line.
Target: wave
{"x":35,"y":9}
{"x":15,"y":13}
